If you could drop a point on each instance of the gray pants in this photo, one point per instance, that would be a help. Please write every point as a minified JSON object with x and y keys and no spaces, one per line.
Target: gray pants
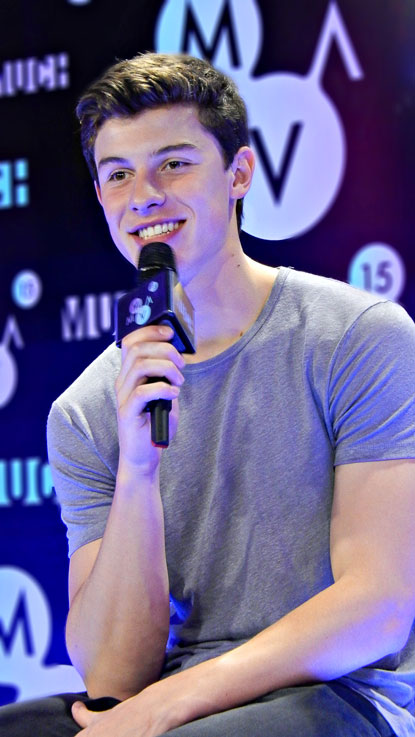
{"x":320,"y":710}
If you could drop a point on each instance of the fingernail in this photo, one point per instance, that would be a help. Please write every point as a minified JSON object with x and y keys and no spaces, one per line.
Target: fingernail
{"x":165,"y":330}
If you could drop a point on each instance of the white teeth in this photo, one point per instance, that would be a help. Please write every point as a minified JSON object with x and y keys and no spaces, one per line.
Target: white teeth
{"x":158,"y":229}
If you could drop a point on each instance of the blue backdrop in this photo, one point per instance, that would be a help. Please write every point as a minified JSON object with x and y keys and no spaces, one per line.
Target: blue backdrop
{"x":330,"y":94}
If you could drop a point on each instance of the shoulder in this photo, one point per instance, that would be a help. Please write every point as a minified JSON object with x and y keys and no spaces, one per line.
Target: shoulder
{"x":317,"y":291}
{"x":83,"y":448}
{"x":91,"y":391}
{"x":331,"y":307}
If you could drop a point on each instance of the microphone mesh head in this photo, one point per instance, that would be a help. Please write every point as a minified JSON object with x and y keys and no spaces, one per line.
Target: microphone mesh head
{"x":157,"y":255}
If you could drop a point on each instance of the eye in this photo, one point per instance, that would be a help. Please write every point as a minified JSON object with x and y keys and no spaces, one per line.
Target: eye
{"x":175,"y":164}
{"x":117,"y":176}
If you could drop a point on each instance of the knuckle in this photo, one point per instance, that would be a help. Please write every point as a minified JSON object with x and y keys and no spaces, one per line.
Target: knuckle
{"x":136,"y":350}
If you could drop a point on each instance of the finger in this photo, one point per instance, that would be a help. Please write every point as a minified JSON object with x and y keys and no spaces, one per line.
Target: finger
{"x":133,"y":407}
{"x":147,"y":334}
{"x":139,"y":373}
{"x":139,"y":351}
{"x":82,"y":715}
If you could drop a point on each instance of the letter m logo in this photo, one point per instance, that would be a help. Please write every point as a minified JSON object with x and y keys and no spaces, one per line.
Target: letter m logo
{"x":191,"y":28}
{"x":19,"y":621}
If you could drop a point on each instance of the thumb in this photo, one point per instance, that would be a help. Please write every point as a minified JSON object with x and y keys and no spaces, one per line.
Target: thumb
{"x":81,"y":714}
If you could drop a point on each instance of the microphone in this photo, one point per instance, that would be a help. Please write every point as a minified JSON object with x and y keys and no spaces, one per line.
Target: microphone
{"x":158,"y":299}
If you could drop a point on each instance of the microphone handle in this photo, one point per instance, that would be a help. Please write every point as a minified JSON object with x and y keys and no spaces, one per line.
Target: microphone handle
{"x":159,"y":410}
{"x":159,"y":416}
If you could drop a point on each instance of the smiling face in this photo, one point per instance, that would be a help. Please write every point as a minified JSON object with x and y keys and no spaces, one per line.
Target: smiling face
{"x":161,"y":177}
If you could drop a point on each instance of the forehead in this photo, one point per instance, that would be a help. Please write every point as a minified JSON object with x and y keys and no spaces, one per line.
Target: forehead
{"x":152,"y":130}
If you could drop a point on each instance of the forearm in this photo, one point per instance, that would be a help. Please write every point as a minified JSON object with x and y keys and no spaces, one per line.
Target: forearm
{"x":118,"y":621}
{"x":337,"y":631}
{"x":332,"y":634}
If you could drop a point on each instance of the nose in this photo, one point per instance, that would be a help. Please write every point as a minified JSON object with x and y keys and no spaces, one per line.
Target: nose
{"x":145,"y":194}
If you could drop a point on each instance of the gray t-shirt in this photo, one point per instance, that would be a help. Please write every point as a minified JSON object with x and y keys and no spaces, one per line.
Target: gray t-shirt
{"x":325,"y":376}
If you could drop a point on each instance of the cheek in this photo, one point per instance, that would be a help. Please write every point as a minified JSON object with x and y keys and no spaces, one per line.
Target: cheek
{"x":214,"y":201}
{"x":107,"y":209}
{"x":112,"y":226}
{"x":113,"y":203}
{"x":113,"y":218}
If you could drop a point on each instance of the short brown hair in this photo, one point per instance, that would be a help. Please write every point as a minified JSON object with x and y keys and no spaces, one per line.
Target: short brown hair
{"x":150,"y":80}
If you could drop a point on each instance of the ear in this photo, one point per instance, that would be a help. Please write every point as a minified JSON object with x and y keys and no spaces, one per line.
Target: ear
{"x":98,"y":191}
{"x":242,"y":169}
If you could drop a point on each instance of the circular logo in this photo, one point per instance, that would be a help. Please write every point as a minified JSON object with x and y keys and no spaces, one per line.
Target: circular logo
{"x":378,"y":268}
{"x":300,"y":153}
{"x":143,"y":315}
{"x":25,"y":614}
{"x":135,"y":305}
{"x":296,"y":131}
{"x":8,"y":376}
{"x":26,"y":289}
{"x":229,"y":33}
{"x":25,"y":634}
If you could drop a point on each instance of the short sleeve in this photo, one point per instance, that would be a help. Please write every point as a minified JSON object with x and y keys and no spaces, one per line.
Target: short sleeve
{"x":83,"y":453}
{"x":372,"y":387}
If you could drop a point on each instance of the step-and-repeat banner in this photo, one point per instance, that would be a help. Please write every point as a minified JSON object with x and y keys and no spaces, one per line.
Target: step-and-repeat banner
{"x":330,"y":92}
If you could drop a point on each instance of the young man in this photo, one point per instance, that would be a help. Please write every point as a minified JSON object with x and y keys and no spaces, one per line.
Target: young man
{"x":280,"y":520}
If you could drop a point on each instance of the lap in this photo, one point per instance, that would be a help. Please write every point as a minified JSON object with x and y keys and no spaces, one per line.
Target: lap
{"x":320,"y":710}
{"x":46,"y":717}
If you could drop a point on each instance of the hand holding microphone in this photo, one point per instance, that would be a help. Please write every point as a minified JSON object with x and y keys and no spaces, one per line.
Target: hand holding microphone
{"x":158,"y":299}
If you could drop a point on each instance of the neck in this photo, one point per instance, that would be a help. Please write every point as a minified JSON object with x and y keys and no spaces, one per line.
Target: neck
{"x":227,"y":301}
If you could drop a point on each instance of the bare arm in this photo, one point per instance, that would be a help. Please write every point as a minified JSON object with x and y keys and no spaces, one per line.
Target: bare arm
{"x":118,"y":586}
{"x":364,"y":615}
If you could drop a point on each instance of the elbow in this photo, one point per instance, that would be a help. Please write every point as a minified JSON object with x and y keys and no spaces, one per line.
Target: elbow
{"x":397,"y":622}
{"x":98,"y":688}
{"x":113,"y":677}
{"x":115,"y":687}
{"x":113,"y":669}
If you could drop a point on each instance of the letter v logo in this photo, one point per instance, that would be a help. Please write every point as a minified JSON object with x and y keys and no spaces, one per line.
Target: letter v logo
{"x":297,"y":132}
{"x":277,"y":181}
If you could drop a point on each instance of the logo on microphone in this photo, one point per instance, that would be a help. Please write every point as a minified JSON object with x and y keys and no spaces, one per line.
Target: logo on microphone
{"x":140,"y":312}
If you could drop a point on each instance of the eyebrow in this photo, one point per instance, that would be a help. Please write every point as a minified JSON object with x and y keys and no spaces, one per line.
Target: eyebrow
{"x":111,"y":160}
{"x":159,"y":152}
{"x":174,"y":147}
